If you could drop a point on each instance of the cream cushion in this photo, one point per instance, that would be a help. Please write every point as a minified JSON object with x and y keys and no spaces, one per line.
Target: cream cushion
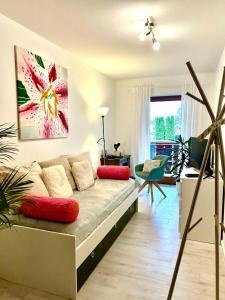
{"x":34,"y":172}
{"x":36,"y":188}
{"x":34,"y":167}
{"x":56,"y":181}
{"x":63,"y":162}
{"x":80,"y":157}
{"x":150,"y":165}
{"x":83,"y":174}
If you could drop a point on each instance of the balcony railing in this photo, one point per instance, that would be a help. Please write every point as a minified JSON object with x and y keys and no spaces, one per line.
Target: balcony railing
{"x":165,"y":148}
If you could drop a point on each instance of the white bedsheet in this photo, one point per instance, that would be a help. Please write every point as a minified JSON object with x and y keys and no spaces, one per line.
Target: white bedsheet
{"x":96,"y":204}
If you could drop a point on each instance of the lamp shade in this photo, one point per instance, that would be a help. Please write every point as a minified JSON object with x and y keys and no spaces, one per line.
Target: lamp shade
{"x":102,"y":111}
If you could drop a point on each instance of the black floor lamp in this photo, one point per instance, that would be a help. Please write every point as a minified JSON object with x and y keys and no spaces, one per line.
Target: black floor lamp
{"x":102,"y":111}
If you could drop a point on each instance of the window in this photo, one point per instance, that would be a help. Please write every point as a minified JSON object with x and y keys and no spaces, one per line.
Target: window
{"x":165,"y":118}
{"x":165,"y":125}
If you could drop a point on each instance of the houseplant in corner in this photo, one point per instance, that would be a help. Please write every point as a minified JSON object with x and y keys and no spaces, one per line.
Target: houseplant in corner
{"x":13,"y":185}
{"x":183,"y":155}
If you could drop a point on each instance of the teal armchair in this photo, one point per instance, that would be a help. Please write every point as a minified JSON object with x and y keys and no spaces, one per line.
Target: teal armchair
{"x":151,"y":178}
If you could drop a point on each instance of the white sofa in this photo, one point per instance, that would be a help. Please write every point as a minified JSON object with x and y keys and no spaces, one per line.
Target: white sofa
{"x":53,"y":257}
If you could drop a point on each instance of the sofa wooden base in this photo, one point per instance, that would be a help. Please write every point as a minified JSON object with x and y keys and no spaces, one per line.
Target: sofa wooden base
{"x":84,"y":271}
{"x":50,"y":261}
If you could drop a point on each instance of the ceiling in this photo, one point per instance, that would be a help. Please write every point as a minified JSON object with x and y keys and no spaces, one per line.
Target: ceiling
{"x":104,"y":33}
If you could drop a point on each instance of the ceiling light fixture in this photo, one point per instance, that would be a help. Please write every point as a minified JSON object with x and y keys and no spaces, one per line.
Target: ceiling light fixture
{"x":149,"y":25}
{"x":142,"y":36}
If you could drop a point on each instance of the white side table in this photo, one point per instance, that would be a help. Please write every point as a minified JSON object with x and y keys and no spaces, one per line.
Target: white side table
{"x":204,"y":231}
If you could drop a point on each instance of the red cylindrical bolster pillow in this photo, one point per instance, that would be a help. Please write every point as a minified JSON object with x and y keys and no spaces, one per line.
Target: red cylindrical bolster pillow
{"x":49,"y":208}
{"x":114,"y":172}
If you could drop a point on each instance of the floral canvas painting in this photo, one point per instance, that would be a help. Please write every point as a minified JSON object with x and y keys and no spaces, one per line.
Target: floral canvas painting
{"x":42,"y":97}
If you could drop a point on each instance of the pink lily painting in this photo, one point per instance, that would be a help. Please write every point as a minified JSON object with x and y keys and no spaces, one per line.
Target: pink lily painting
{"x":42,"y":97}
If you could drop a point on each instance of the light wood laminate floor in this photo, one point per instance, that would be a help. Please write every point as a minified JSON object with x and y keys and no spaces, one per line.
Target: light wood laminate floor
{"x":140,"y":263}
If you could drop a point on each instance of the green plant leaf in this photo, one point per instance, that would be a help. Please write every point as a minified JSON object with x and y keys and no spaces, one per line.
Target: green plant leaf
{"x":183,"y":154}
{"x":22,"y":96}
{"x":7,"y":149}
{"x":12,"y":189}
{"x":7,"y":130}
{"x":39,"y":60}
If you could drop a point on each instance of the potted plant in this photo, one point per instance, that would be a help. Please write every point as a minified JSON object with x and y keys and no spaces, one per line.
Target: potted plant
{"x":182,"y":155}
{"x":13,"y":185}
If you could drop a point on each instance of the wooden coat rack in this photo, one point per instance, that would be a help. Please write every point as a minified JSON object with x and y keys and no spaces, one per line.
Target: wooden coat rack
{"x":215,"y":136}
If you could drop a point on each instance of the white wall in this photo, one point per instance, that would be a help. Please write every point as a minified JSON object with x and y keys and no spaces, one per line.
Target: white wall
{"x":218,"y":79}
{"x":88,"y":89}
{"x":160,"y":86}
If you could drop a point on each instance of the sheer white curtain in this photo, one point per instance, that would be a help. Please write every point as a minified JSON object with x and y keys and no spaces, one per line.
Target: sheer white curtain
{"x":139,"y":127}
{"x":194,"y":116}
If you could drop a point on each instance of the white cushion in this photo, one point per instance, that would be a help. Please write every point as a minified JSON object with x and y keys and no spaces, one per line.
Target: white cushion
{"x":56,"y":181}
{"x":34,"y":167}
{"x":83,"y":174}
{"x":80,"y":157}
{"x":36,"y":188}
{"x":34,"y":173}
{"x":151,"y":164}
{"x":63,"y":162}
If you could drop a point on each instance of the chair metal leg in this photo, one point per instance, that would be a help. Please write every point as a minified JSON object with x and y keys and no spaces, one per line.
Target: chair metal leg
{"x":142,"y":186}
{"x":152,"y":197}
{"x":159,"y":188}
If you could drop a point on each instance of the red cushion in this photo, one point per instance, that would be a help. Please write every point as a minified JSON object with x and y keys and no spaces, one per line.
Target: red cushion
{"x":49,"y":208}
{"x":114,"y":172}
